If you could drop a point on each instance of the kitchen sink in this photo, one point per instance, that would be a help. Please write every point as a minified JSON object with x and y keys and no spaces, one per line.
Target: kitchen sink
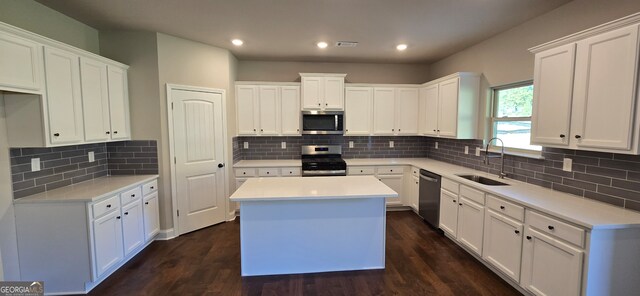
{"x":483,"y":180}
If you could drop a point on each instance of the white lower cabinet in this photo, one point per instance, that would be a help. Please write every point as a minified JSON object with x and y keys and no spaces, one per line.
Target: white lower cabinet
{"x":107,"y":241}
{"x":502,"y":246}
{"x":132,"y":227}
{"x":414,"y":193}
{"x":470,"y":224}
{"x":151,"y":213}
{"x":394,"y":182}
{"x":449,"y":212}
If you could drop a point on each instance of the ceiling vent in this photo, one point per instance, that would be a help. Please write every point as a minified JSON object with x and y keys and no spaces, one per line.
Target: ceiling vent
{"x":346,"y":44}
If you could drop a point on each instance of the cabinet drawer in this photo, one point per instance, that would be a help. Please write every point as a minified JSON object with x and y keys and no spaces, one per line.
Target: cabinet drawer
{"x":472,"y":194}
{"x":150,"y":187}
{"x":291,"y":172}
{"x":364,"y":170}
{"x":506,"y":208}
{"x":449,"y":185}
{"x":105,"y":206}
{"x":390,"y":170}
{"x":556,"y":228}
{"x":268,"y":172}
{"x":245,"y":172}
{"x":415,"y":171}
{"x":130,"y":195}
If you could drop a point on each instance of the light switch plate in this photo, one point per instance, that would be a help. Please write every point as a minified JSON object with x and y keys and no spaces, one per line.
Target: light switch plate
{"x":92,"y":156}
{"x":466,"y":149}
{"x":477,"y":151}
{"x":567,"y":164}
{"x":436,"y":145}
{"x":350,"y":144}
{"x":35,"y":164}
{"x":246,"y":145}
{"x":391,"y":144}
{"x":284,"y":145}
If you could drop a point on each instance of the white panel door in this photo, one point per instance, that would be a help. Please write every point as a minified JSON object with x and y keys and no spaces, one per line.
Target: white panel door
{"x":247,"y":109}
{"x":384,"y":110}
{"x":605,"y":89}
{"x":95,"y":100}
{"x":408,"y":110}
{"x":118,"y":103}
{"x":502,"y":244}
{"x":449,"y":212}
{"x":290,"y":110}
{"x":20,"y":63}
{"x":448,"y":104}
{"x":64,"y":101}
{"x":151,"y":212}
{"x":198,"y":144}
{"x":312,"y":92}
{"x":268,"y":110}
{"x":415,"y":193}
{"x":396,"y":183}
{"x":107,"y":242}
{"x":470,"y":225}
{"x":132,"y":227}
{"x":552,"y":93}
{"x":432,"y":110}
{"x":358,"y":110}
{"x":550,"y":267}
{"x":333,"y":93}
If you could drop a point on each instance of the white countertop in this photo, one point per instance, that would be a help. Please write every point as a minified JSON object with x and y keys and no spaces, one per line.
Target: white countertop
{"x":300,"y":188}
{"x":87,"y":191}
{"x":269,"y":163}
{"x":578,"y":210}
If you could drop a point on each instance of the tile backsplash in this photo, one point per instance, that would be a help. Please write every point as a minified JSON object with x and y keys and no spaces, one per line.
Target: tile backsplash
{"x":67,"y":165}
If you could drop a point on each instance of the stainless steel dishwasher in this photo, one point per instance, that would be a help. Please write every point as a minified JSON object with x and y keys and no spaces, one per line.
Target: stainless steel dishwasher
{"x":429,"y":201}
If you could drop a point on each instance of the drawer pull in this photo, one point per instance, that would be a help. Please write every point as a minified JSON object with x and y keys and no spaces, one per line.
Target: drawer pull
{"x":551,"y":227}
{"x":502,"y":207}
{"x":528,"y":237}
{"x":290,"y":172}
{"x":267,"y":173}
{"x":460,"y":204}
{"x":146,"y":202}
{"x":244,"y":173}
{"x":151,"y":187}
{"x":454,"y":200}
{"x":362,"y":171}
{"x":108,"y":206}
{"x":517,"y":231}
{"x":391,"y":170}
{"x":133,"y":195}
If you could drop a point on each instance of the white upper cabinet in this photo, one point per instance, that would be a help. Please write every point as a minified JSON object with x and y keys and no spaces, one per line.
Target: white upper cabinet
{"x":118,"y":103}
{"x":358,"y":110}
{"x":20,"y":64}
{"x":290,"y":110}
{"x":395,"y":111}
{"x":588,"y":102}
{"x":429,"y":110}
{"x":322,"y":91}
{"x":64,"y":101}
{"x":384,"y":111}
{"x":448,"y":104}
{"x":247,"y":109}
{"x":408,"y":102}
{"x":95,"y":100}
{"x":268,"y":110}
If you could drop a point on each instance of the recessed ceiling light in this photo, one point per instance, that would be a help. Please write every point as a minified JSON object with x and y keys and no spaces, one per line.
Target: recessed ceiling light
{"x":237,"y":42}
{"x":322,"y":44}
{"x":401,"y":47}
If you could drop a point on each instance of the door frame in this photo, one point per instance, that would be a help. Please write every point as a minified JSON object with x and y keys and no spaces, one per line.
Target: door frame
{"x":174,"y":190}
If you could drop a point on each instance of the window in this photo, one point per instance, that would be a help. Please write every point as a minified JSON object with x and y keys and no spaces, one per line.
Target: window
{"x":511,"y":119}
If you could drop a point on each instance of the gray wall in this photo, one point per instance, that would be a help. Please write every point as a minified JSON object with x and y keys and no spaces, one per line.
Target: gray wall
{"x":356,"y":72}
{"x":35,"y":17}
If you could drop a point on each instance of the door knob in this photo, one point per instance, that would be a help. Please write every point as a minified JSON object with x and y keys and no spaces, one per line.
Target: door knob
{"x":221,"y":165}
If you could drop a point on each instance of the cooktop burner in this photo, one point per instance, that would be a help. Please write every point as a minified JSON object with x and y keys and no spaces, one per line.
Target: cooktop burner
{"x":323,"y":160}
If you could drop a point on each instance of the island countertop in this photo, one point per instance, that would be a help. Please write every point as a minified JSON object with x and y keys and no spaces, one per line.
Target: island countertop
{"x":305,"y":188}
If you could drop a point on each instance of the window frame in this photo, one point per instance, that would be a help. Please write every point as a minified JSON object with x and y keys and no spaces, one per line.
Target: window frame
{"x":494,"y":119}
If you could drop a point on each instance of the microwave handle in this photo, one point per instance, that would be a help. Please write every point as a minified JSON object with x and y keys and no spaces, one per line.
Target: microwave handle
{"x":335,"y":126}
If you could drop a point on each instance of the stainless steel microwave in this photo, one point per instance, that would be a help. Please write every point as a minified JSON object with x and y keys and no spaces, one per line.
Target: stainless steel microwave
{"x":322,"y":122}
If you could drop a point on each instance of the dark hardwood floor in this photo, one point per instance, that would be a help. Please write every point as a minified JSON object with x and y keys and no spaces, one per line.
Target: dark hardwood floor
{"x":207,"y":262}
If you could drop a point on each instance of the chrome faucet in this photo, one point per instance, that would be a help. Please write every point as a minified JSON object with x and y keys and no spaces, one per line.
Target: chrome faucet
{"x":502,"y":174}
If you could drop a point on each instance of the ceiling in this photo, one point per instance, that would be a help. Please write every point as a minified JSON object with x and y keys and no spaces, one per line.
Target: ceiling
{"x":289,"y":29}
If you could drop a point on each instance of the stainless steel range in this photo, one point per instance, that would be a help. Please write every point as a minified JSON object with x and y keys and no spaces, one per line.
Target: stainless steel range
{"x":323,"y":160}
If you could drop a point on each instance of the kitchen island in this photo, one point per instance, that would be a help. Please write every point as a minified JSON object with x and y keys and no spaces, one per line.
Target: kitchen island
{"x":318,"y":224}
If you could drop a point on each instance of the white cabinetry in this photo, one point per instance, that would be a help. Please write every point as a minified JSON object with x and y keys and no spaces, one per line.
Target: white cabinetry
{"x":414,"y":193}
{"x":395,"y":111}
{"x":589,"y":104}
{"x":470,"y":224}
{"x":358,"y":111}
{"x":322,"y":91}
{"x":290,"y":110}
{"x":107,"y":241}
{"x":132,"y":226}
{"x":449,"y":212}
{"x":95,"y":100}
{"x":20,"y":64}
{"x":118,"y":103}
{"x":151,"y":212}
{"x":267,"y":110}
{"x":429,"y":110}
{"x":392,"y":176}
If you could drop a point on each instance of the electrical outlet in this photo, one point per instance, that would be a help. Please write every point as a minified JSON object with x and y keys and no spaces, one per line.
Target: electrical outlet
{"x":477,"y":151}
{"x":350,"y":144}
{"x":567,"y":164}
{"x":246,"y":145}
{"x":92,"y":156}
{"x":391,"y":144}
{"x":436,"y":145}
{"x":466,"y":149}
{"x":35,"y":164}
{"x":284,"y":145}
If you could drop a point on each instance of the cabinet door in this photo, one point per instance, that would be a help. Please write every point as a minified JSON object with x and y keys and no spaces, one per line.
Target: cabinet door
{"x":312,"y":91}
{"x":64,"y":101}
{"x":107,"y":241}
{"x":151,"y":212}
{"x":20,"y":63}
{"x":290,"y":110}
{"x":431,"y":111}
{"x":268,"y":110}
{"x":408,"y":102}
{"x":470,"y":225}
{"x":119,"y":103}
{"x":358,"y":110}
{"x":333,"y":93}
{"x":448,"y":104}
{"x":132,"y":227}
{"x":394,"y":182}
{"x":552,"y":94}
{"x":95,"y":100}
{"x":247,"y":109}
{"x":384,"y":110}
{"x":415,"y":193}
{"x":449,"y":212}
{"x":502,"y":245}
{"x":605,"y":89}
{"x":550,"y":267}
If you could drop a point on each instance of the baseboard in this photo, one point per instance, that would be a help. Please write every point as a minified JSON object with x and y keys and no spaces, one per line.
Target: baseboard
{"x":398,"y":208}
{"x":166,"y":234}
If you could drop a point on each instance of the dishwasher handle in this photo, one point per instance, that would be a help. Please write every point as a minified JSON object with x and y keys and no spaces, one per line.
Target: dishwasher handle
{"x":428,"y":179}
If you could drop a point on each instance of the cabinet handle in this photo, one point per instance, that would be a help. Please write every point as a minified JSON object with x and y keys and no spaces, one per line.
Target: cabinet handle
{"x":528,"y":237}
{"x":438,"y":130}
{"x":562,"y":136}
{"x":391,"y":170}
{"x":298,"y":130}
{"x":326,"y":104}
{"x":262,"y":130}
{"x":115,"y":132}
{"x":393,"y":130}
{"x":151,"y":187}
{"x":108,"y":206}
{"x":434,"y":130}
{"x":416,"y":183}
{"x":133,"y":195}
{"x":146,"y":202}
{"x":502,"y":207}
{"x":118,"y":217}
{"x":517,"y":231}
{"x":361,"y":171}
{"x":56,"y":134}
{"x":399,"y":129}
{"x":244,"y":173}
{"x":126,"y":213}
{"x":107,"y":132}
{"x":578,"y":136}
{"x":347,"y":130}
{"x":551,"y":227}
{"x":267,"y":173}
{"x":220,"y":165}
{"x":460,"y":204}
{"x":318,"y":104}
{"x":454,"y":200}
{"x":291,"y":173}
